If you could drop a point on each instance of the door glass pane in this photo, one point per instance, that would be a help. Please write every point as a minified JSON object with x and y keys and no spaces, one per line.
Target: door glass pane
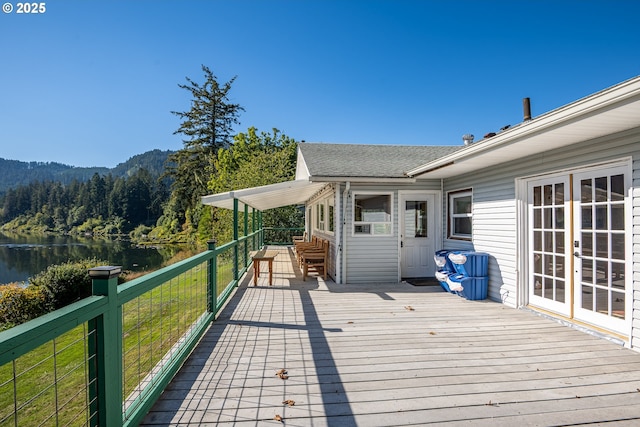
{"x":559,"y":265}
{"x":537,"y":263}
{"x":601,"y":218}
{"x":617,"y":246}
{"x":602,"y":301}
{"x":559,"y":212}
{"x":617,"y":217}
{"x":548,"y":265}
{"x":559,"y":242}
{"x":560,"y":193}
{"x":587,"y":271}
{"x":617,"y":275}
{"x":548,"y":288}
{"x":617,"y":188}
{"x":617,"y":304}
{"x":587,"y":222}
{"x":560,"y":291}
{"x":602,"y":245}
{"x":537,"y":218}
{"x":548,"y":195}
{"x":602,"y":273}
{"x":585,"y":191}
{"x":587,"y":244}
{"x":415,"y":218}
{"x":548,"y":218}
{"x":548,"y":241}
{"x":537,"y":198}
{"x":537,"y":286}
{"x":537,"y":241}
{"x":587,"y":297}
{"x":601,"y":189}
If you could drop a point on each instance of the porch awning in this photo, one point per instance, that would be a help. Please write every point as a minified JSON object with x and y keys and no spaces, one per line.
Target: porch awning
{"x":267,"y":196}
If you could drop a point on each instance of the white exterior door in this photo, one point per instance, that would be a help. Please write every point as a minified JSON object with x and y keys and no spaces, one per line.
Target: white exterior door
{"x":417,"y":235}
{"x":549,"y":244}
{"x":578,"y":247}
{"x":602,"y":292}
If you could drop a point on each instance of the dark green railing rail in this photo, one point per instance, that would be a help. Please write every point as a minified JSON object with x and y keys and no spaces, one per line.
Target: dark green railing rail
{"x":104,"y":360}
{"x":281,"y":236}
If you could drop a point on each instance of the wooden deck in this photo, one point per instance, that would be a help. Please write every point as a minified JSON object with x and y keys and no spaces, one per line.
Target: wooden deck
{"x":391,"y":355}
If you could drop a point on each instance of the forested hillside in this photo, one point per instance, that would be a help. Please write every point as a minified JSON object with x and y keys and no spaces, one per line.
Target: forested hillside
{"x":15,"y":173}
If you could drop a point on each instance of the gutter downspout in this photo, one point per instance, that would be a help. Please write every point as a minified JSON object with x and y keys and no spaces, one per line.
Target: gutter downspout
{"x":345,"y":195}
{"x":338,"y":244}
{"x":443,"y":218}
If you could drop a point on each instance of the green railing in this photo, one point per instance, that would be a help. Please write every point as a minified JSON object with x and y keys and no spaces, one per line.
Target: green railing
{"x":104,"y":360}
{"x":281,"y":236}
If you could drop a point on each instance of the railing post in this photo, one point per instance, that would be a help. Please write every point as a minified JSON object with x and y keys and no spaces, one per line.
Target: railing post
{"x":261,"y":241}
{"x":253,"y":228}
{"x":106,"y":350}
{"x":246,"y":233}
{"x":212,"y":267}
{"x":235,"y":238}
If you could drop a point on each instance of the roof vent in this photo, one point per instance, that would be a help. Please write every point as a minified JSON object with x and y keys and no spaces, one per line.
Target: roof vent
{"x":526,"y":107}
{"x":467,"y":138}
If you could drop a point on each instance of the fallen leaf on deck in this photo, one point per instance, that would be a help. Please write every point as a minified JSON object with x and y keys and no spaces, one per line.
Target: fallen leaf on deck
{"x":408,"y":307}
{"x":289,"y":402}
{"x":278,"y":418}
{"x":281,"y":371}
{"x":432,"y":333}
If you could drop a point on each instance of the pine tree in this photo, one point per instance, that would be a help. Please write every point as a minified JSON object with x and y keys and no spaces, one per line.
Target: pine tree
{"x":207,"y":127}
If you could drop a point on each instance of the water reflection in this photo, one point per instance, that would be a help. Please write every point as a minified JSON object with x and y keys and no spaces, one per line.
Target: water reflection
{"x":22,"y":256}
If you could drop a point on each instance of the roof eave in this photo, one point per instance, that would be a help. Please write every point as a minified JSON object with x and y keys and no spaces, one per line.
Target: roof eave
{"x":620,"y":95}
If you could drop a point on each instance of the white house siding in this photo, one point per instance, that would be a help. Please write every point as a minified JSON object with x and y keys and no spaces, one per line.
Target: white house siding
{"x":375,"y":259}
{"x":494,"y":207}
{"x":635,"y":340}
{"x":494,"y":222}
{"x":331,"y":237}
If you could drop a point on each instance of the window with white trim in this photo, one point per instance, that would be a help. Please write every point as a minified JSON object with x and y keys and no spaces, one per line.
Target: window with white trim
{"x":372,"y":214}
{"x":320,"y":217}
{"x":331,"y":214}
{"x":460,"y":215}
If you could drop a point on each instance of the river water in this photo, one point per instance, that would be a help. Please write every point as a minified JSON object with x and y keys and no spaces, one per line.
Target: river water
{"x":23,"y":256}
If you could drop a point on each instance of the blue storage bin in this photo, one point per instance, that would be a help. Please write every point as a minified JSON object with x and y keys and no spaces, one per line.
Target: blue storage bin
{"x":464,"y":273}
{"x":474,"y":264}
{"x":442,"y":276}
{"x":445,"y":268}
{"x":474,"y":288}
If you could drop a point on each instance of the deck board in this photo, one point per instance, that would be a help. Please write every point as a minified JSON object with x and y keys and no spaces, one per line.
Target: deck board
{"x":391,"y":355}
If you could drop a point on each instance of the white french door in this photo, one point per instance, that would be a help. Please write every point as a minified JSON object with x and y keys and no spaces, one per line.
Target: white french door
{"x":602,"y":290}
{"x":549,"y":244}
{"x":577,"y":247}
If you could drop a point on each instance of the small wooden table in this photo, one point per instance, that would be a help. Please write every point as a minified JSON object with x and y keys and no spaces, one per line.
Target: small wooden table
{"x":263,"y":255}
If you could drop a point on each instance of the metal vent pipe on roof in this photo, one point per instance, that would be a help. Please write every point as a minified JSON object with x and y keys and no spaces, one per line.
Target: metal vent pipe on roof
{"x":526,"y":106}
{"x":467,"y":138}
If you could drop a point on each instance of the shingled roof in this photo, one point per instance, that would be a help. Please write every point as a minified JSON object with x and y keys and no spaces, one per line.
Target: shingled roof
{"x":372,"y":161}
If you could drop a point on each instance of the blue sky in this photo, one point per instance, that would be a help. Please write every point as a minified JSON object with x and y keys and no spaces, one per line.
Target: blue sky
{"x":92,"y":82}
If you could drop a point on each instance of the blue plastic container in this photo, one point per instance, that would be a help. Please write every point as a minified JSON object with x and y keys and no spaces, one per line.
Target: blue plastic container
{"x":474,"y":288}
{"x":476,"y":264}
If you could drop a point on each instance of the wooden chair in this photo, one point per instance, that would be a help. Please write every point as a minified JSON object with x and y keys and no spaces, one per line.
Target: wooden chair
{"x":316,"y":260}
{"x":299,"y":239}
{"x":301,"y":247}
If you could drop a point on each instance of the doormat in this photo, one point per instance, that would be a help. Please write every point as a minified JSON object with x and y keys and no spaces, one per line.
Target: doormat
{"x":423,"y":281}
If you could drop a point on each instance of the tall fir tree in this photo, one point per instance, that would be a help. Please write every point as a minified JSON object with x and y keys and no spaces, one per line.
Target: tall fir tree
{"x":207,"y":127}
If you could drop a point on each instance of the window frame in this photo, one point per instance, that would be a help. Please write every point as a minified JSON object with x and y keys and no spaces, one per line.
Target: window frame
{"x":372,"y":233}
{"x":452,"y":196}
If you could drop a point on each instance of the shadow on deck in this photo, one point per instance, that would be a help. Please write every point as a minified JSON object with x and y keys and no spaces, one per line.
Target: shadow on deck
{"x":389,"y":355}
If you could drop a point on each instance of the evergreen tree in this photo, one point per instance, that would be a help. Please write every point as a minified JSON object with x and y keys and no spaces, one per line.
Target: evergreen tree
{"x":207,"y":127}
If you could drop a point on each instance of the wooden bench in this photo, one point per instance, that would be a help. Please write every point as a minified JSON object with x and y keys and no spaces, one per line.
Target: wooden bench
{"x":263,"y":255}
